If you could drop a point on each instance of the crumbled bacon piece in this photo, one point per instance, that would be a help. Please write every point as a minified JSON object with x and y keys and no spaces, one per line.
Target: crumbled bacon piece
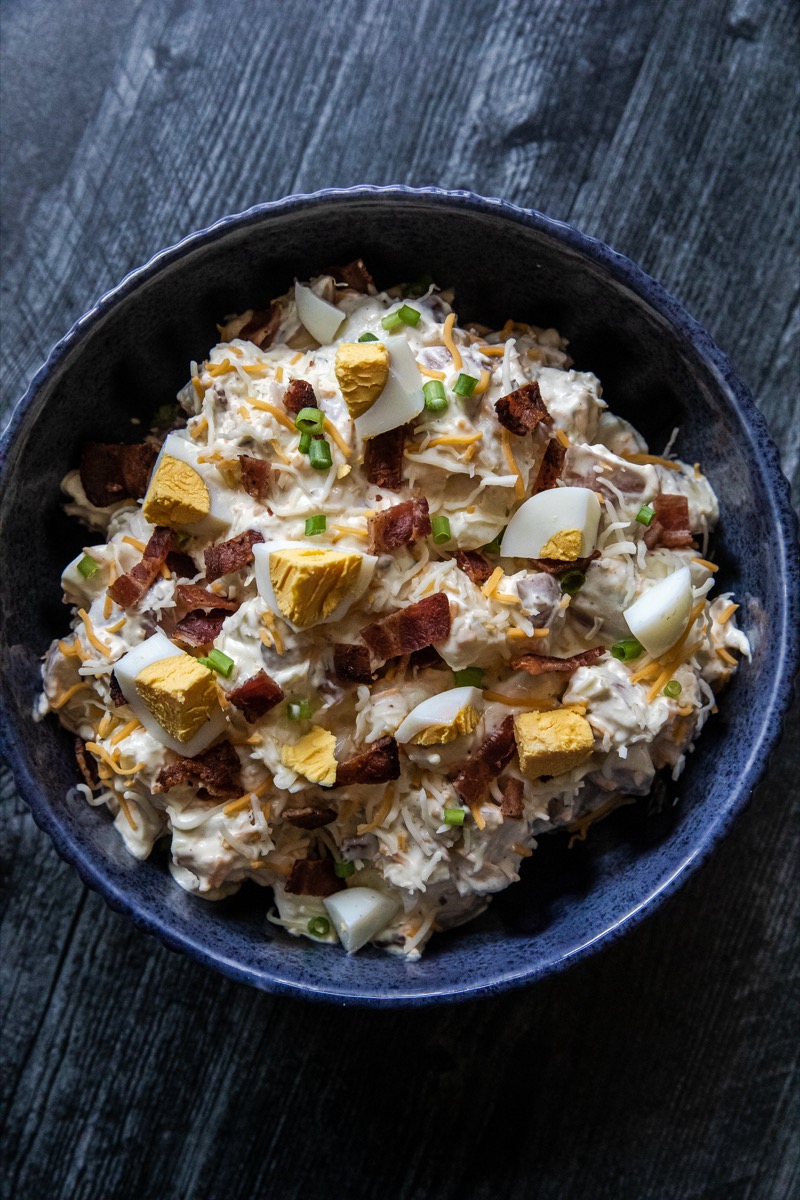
{"x":474,"y":565}
{"x":215,"y":770}
{"x":555,"y":566}
{"x":181,"y":565}
{"x":670,"y":526}
{"x":486,"y":763}
{"x":356,"y":276}
{"x":116,"y":472}
{"x":231,"y":556}
{"x":310,"y":816}
{"x":255,"y":476}
{"x":399,"y":525}
{"x":256,"y":696}
{"x":86,"y":765}
{"x":351,"y":663}
{"x":117,"y":694}
{"x":425,"y":623}
{"x":383,"y":459}
{"x":261,"y":326}
{"x":130,"y":588}
{"x":545,"y":664}
{"x":299,"y":394}
{"x":379,"y":763}
{"x":200,"y":628}
{"x":192,"y":597}
{"x":522,"y":410}
{"x":428,"y":656}
{"x":313,"y":877}
{"x":512,"y":806}
{"x":551,"y":466}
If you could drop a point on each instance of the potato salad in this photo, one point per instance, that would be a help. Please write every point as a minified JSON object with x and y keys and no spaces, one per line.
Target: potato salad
{"x":382,"y":600}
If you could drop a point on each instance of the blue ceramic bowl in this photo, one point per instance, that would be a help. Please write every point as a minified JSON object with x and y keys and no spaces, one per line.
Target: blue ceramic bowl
{"x":659,"y":368}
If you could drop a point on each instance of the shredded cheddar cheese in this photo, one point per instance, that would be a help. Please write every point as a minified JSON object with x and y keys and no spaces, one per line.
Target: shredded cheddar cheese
{"x":447,"y":338}
{"x":275,"y":413}
{"x":99,"y":752}
{"x":380,"y":816}
{"x":99,"y":646}
{"x":55,"y":705}
{"x":538,"y":703}
{"x":519,"y":485}
{"x":709,"y":566}
{"x":477,"y":815}
{"x":331,"y":429}
{"x":492,"y":351}
{"x":562,"y":438}
{"x":522,"y":851}
{"x":125,"y":731}
{"x":454,"y":439}
{"x":653,"y":459}
{"x":726,"y":614}
{"x":430,"y":373}
{"x":491,"y":583}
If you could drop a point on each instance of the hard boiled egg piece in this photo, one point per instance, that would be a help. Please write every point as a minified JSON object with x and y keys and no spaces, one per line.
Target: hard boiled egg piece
{"x":561,"y":523}
{"x":358,"y":914}
{"x":172,"y":694}
{"x":401,"y":399}
{"x":321,"y":319}
{"x":658,"y":618}
{"x":185,"y":493}
{"x":310,"y":585}
{"x":442,"y":718}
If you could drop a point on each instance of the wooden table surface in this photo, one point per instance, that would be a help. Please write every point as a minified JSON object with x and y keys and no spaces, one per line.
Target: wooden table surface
{"x":664,"y":1067}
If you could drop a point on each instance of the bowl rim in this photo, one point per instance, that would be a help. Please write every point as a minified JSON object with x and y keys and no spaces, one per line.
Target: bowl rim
{"x":762,"y":450}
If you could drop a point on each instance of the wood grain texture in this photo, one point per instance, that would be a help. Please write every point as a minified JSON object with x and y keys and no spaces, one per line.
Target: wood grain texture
{"x":666,"y":1068}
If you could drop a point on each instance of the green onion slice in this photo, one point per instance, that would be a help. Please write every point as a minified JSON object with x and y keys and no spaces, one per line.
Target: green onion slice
{"x":319,"y":927}
{"x":316,"y":524}
{"x":469,"y":677}
{"x":310,"y":420}
{"x":419,"y":287}
{"x":409,"y":315}
{"x":435,"y":397}
{"x":493,"y":547}
{"x":299,"y":710}
{"x":572,"y":582}
{"x":304,"y":445}
{"x":627,"y":649}
{"x":392,"y":321}
{"x":440,"y":529}
{"x":465,"y":385}
{"x":645,"y":514}
{"x":368,"y":337}
{"x":319,"y":453}
{"x":88,"y":566}
{"x":672,"y":689}
{"x":343,"y":870}
{"x":454,"y":816}
{"x":219,"y":662}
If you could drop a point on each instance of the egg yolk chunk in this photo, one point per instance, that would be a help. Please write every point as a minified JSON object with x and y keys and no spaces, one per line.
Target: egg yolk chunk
{"x":309,"y":584}
{"x":564,"y":545}
{"x":550,"y":743}
{"x":180,"y":693}
{"x":313,"y":757}
{"x":177,"y":494}
{"x":362,"y":369}
{"x":437,"y":735}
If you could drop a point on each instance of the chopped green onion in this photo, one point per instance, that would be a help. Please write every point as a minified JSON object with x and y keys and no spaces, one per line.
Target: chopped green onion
{"x":419,"y":287}
{"x":405,"y":315}
{"x":454,"y":816}
{"x":319,"y":453}
{"x":672,"y":689}
{"x":319,"y":927}
{"x":465,"y":385}
{"x":343,"y":870}
{"x":368,"y":337}
{"x":627,"y":649}
{"x":572,"y":582}
{"x":645,"y":514}
{"x":88,"y":566}
{"x":219,"y":662}
{"x":299,"y":710}
{"x":434,"y":393}
{"x":304,"y":445}
{"x":493,"y":547}
{"x":440,"y":528}
{"x":469,"y":677}
{"x":310,"y":420}
{"x":316,"y":524}
{"x":181,"y":536}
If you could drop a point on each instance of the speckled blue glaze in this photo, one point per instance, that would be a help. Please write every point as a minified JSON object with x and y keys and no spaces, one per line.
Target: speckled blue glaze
{"x":658,"y":367}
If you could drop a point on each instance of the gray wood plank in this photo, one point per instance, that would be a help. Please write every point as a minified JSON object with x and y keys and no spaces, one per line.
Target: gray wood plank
{"x":664,"y":1068}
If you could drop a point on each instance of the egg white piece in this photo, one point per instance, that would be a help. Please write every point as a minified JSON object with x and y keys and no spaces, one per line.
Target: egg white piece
{"x":321,"y":319}
{"x":262,"y":553}
{"x":220,"y":515}
{"x":658,"y":618}
{"x":153,"y":650}
{"x":438,"y":710}
{"x":542,"y":517}
{"x":358,"y":914}
{"x":401,"y":399}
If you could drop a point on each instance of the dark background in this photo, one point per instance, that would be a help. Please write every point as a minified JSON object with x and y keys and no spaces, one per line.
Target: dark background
{"x":665,"y":1067}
